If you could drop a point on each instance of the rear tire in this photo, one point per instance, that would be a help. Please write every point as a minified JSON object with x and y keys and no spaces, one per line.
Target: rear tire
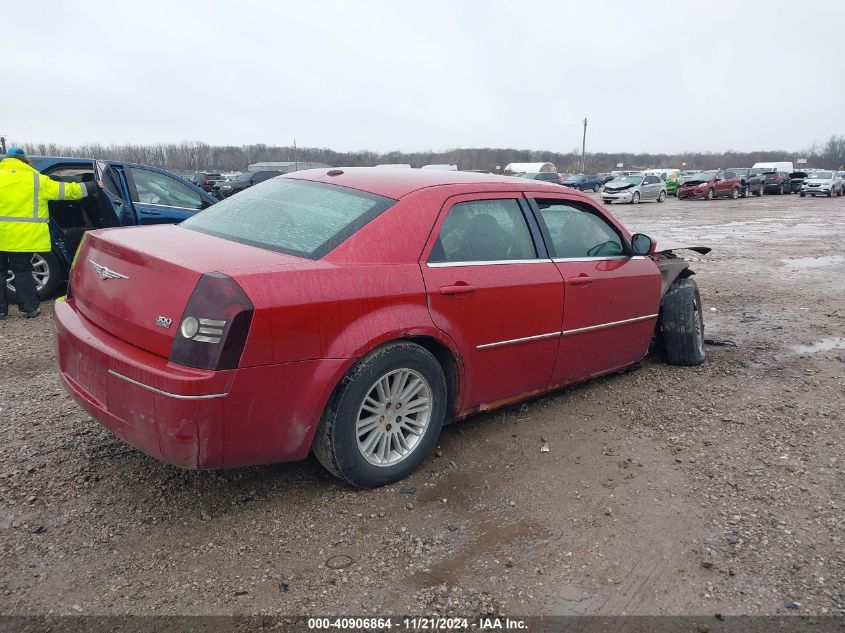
{"x":340,"y":446}
{"x":759,"y":192}
{"x":681,"y":323}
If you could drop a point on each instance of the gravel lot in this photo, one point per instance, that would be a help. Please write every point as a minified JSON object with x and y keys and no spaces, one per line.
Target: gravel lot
{"x":715,"y":489}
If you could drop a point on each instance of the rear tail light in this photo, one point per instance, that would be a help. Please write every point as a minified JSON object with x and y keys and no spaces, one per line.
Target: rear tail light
{"x":777,"y":179}
{"x":213,"y":329}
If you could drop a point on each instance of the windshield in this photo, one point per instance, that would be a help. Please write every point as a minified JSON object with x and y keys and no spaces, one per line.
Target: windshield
{"x":626,"y":180}
{"x":576,"y":177}
{"x":822,"y":175}
{"x":296,"y":217}
{"x":246,"y":175}
{"x":741,"y":172}
{"x":703,"y":175}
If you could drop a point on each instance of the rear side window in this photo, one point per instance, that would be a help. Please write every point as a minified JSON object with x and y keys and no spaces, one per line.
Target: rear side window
{"x":575,"y":231}
{"x":483,"y":231}
{"x":297,"y":217}
{"x":156,"y":188}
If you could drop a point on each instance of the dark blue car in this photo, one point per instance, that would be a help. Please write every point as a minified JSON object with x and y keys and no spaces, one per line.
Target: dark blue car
{"x":582,"y":182}
{"x":133,"y":195}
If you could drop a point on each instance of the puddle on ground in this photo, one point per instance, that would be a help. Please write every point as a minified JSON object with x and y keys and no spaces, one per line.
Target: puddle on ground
{"x":464,"y":490}
{"x":801,"y":263}
{"x":824,"y":345}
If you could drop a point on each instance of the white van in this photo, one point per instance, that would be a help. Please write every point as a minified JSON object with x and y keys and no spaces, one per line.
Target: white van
{"x":776,"y":166}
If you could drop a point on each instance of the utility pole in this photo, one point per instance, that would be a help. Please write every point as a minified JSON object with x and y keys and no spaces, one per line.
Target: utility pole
{"x":584,"y":148}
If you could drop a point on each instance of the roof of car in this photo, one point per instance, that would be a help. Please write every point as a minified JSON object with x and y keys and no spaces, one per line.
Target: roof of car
{"x":395,"y":183}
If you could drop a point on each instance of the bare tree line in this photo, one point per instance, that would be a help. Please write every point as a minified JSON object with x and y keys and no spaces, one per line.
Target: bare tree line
{"x":186,"y":156}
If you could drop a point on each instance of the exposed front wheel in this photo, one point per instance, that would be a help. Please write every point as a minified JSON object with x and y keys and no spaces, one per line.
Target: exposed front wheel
{"x":681,"y":323}
{"x":735,"y":193}
{"x":385,"y":416}
{"x":710,"y":194}
{"x":47,"y":273}
{"x":596,"y":188}
{"x":780,"y":190}
{"x":759,"y":192}
{"x":662,"y":196}
{"x":636,"y":198}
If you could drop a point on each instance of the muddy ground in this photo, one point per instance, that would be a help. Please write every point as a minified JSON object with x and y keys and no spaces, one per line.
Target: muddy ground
{"x":715,"y":489}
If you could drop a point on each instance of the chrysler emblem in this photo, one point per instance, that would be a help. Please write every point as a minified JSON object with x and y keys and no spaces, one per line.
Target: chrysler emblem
{"x":105,"y":272}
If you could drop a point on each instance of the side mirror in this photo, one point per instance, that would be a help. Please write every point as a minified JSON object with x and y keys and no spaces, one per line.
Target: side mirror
{"x":641,"y":244}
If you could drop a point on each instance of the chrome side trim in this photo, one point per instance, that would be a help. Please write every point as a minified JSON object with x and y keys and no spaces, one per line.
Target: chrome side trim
{"x":208,"y":396}
{"x":169,"y":206}
{"x":497,"y":262}
{"x":514,"y":341}
{"x":603,"y":326}
{"x":559,"y":260}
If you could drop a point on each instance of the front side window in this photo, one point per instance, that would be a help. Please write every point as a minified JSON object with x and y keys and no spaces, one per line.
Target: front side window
{"x":155,"y":188}
{"x":576,"y":231}
{"x":297,"y":217}
{"x":484,"y":231}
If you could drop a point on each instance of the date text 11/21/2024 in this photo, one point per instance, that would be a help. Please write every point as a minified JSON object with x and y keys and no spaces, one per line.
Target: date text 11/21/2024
{"x":417,"y":624}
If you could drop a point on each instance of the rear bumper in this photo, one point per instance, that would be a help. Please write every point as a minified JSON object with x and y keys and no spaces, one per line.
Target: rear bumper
{"x":189,"y":417}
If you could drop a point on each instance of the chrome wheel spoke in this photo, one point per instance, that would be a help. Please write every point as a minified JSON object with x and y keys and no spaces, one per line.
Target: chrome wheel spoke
{"x":417,"y":406}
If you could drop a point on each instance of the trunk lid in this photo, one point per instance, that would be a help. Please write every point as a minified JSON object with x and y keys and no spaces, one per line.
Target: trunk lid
{"x":136,"y":282}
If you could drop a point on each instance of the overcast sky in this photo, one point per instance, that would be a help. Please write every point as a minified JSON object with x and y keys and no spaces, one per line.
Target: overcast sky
{"x":425,"y":74}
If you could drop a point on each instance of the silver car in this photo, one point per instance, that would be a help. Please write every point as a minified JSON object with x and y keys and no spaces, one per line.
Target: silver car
{"x":822,"y":183}
{"x":634,"y":189}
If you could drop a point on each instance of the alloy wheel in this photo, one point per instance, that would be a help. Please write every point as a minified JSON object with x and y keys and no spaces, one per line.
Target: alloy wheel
{"x":393,"y":417}
{"x":40,"y":271}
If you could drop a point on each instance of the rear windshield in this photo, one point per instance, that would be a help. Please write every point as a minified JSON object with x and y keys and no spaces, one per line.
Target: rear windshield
{"x":297,"y":217}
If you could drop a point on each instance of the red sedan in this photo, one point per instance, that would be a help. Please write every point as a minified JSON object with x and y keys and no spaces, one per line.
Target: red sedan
{"x":353,"y":312}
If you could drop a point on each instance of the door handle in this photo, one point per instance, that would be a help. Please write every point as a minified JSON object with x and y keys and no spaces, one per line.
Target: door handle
{"x":458,"y":288}
{"x":581,"y":280}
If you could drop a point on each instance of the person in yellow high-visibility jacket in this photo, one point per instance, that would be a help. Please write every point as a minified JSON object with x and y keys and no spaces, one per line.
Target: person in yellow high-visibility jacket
{"x":24,"y":229}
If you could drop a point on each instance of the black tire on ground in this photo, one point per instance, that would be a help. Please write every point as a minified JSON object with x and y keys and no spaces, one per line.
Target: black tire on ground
{"x":596,"y":188}
{"x":681,"y":323}
{"x":335,"y":443}
{"x":635,"y":199}
{"x":746,"y":192}
{"x":735,"y":193}
{"x":662,"y":196}
{"x":780,"y":190}
{"x":759,"y":192}
{"x":51,"y":285}
{"x":830,"y":193}
{"x":710,"y":194}
{"x":802,"y":194}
